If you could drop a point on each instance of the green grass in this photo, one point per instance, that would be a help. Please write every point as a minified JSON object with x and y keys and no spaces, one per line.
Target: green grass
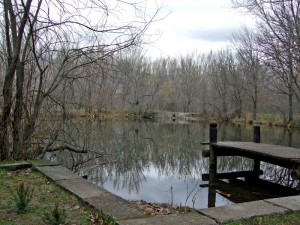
{"x":288,"y":219}
{"x":46,"y":194}
{"x":2,"y":170}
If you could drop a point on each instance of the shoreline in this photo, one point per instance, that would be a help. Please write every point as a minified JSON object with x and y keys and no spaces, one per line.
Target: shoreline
{"x":103,"y":115}
{"x":127,"y":214}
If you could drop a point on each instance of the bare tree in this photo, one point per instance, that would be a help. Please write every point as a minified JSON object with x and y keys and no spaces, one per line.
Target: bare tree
{"x":219,"y":76}
{"x":252,"y":69}
{"x":279,"y":42}
{"x":46,"y":42}
{"x":280,"y":64}
{"x":190,"y":73}
{"x":133,"y":72}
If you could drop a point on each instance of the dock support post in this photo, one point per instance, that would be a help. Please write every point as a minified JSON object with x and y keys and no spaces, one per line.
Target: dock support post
{"x":213,"y":132}
{"x":211,"y":197}
{"x":256,"y":134}
{"x":256,"y":139}
{"x":213,"y":136}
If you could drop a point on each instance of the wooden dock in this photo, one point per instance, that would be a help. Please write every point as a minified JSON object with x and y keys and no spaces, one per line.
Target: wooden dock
{"x":287,"y":157}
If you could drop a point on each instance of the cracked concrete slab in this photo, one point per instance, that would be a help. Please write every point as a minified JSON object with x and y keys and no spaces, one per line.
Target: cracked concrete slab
{"x":115,"y":206}
{"x":15,"y":165}
{"x":81,"y":187}
{"x":42,"y":162}
{"x":101,"y":199}
{"x":291,"y":203}
{"x":173,"y":219}
{"x":57,"y":172}
{"x":242,"y":211}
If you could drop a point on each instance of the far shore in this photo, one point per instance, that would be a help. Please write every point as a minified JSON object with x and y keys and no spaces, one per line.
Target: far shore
{"x":262,"y":119}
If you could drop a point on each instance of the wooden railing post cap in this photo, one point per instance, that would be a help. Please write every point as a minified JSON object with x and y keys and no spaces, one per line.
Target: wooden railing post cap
{"x":213,"y":124}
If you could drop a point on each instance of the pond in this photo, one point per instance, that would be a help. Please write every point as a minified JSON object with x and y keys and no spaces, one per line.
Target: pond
{"x":162,"y":161}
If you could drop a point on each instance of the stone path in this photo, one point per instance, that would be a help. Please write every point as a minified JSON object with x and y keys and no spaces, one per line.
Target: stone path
{"x":128,"y":213}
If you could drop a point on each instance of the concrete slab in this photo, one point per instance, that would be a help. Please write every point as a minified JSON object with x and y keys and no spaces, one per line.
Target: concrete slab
{"x":42,"y":162}
{"x":115,"y":206}
{"x":101,"y":199}
{"x":291,"y":203}
{"x":15,"y":165}
{"x":57,"y":172}
{"x":81,"y":187}
{"x":242,"y":211}
{"x":174,"y":219}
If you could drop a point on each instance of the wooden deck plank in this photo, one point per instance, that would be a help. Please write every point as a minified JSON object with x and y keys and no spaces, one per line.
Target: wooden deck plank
{"x":262,"y":149}
{"x":280,"y":155}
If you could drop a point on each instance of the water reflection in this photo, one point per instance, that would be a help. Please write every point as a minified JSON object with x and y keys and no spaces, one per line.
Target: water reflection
{"x":158,"y":161}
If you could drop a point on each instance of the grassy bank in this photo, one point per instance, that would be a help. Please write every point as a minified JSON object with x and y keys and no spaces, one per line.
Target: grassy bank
{"x":289,"y":219}
{"x":269,"y":120}
{"x":46,"y":195}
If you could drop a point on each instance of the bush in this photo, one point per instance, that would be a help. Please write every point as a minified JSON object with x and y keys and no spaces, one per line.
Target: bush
{"x":22,"y":197}
{"x":55,"y":217}
{"x":100,"y":218}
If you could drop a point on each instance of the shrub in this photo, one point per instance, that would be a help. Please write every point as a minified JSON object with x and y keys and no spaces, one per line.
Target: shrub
{"x":100,"y":218}
{"x":22,"y":197}
{"x":55,"y":217}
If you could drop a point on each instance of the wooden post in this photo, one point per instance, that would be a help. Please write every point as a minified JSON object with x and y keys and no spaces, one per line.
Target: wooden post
{"x":211,"y":197}
{"x":256,"y":139}
{"x":213,"y":132}
{"x":256,"y":134}
{"x":174,"y":117}
{"x":213,"y":137}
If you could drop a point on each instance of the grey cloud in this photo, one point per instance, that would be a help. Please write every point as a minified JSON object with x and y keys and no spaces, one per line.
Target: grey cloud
{"x":211,"y":34}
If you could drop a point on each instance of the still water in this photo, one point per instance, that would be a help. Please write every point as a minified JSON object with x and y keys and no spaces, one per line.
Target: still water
{"x":162,"y":161}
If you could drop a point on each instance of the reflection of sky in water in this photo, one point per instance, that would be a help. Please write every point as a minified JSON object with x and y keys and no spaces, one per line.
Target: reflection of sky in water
{"x":157,"y":188}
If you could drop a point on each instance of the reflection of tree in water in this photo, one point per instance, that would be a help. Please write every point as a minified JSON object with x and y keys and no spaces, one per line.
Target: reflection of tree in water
{"x":234,"y":163}
{"x":123,"y":152}
{"x":282,"y":136}
{"x":279,"y":175}
{"x":167,"y":147}
{"x":178,"y":150}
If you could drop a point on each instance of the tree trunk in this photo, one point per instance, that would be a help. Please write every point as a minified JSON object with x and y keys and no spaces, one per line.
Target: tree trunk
{"x":290,"y":90}
{"x":291,"y":111}
{"x":6,"y":112}
{"x":255,"y":99}
{"x":254,"y":110}
{"x":30,"y":126}
{"x":224,"y":109}
{"x":18,"y":112}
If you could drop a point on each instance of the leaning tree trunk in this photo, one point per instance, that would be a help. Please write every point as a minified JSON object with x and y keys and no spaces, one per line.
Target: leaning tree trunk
{"x":6,"y":113}
{"x":255,"y":100}
{"x":18,"y":112}
{"x":290,"y":116}
{"x":291,"y":91}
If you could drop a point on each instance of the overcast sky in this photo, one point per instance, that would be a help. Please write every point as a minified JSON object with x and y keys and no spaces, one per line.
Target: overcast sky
{"x":195,"y":25}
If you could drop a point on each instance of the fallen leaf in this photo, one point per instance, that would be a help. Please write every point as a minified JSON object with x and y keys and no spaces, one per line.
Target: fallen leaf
{"x":76,"y":207}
